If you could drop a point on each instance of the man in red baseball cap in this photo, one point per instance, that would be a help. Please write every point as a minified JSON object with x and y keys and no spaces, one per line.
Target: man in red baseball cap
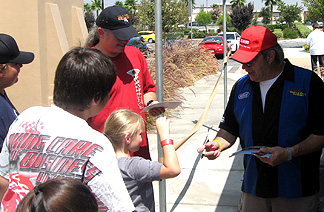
{"x":276,"y":109}
{"x":254,"y":42}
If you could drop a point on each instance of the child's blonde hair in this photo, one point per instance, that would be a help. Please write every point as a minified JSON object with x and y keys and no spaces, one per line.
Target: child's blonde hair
{"x":120,"y":123}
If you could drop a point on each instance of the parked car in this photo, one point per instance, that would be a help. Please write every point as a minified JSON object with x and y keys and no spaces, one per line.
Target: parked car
{"x":233,"y":38}
{"x":215,"y":44}
{"x":149,"y":36}
{"x":139,"y":43}
{"x":194,"y":24}
{"x":172,"y":40}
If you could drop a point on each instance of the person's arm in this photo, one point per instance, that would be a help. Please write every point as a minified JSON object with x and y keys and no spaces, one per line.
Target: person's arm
{"x":4,"y":183}
{"x":308,"y":40}
{"x":222,"y":141}
{"x":279,"y":154}
{"x":315,"y":141}
{"x":171,"y":166}
{"x":150,"y":98}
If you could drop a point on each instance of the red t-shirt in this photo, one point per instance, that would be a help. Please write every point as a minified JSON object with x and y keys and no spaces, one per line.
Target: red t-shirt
{"x":124,"y":94}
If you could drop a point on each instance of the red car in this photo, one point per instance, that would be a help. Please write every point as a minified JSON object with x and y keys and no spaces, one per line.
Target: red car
{"x":214,"y":44}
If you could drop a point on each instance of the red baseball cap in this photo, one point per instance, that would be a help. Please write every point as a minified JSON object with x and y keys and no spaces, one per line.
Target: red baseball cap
{"x":253,"y":40}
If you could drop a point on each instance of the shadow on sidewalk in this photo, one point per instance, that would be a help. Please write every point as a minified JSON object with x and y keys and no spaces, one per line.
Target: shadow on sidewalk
{"x":231,"y":195}
{"x":321,"y":193}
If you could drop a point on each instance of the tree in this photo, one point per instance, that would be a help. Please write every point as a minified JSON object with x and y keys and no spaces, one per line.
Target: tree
{"x":119,"y":3}
{"x":215,"y":13}
{"x":88,"y":15}
{"x":271,"y":3}
{"x":265,"y":13}
{"x":97,"y":5}
{"x":228,"y":20}
{"x":290,"y":13}
{"x":187,"y":2}
{"x":130,"y":6}
{"x":242,"y":16}
{"x":146,"y":13}
{"x":237,"y":3}
{"x":315,"y":9}
{"x":255,"y":19}
{"x":173,"y":13}
{"x":204,"y":18}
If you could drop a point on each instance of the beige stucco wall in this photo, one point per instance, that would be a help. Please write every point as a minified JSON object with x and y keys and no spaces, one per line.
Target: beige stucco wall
{"x":48,"y":28}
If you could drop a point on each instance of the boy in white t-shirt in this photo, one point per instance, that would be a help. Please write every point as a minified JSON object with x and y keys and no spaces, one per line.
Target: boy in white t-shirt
{"x":48,"y":142}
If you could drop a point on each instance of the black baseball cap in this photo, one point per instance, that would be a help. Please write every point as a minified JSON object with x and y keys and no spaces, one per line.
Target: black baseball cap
{"x":9,"y":51}
{"x":117,"y":20}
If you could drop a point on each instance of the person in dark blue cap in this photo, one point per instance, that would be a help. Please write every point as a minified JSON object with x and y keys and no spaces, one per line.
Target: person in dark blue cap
{"x":134,"y":88}
{"x":11,"y":61}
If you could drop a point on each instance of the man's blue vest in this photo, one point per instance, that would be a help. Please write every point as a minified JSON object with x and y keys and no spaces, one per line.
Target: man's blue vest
{"x":293,"y":116}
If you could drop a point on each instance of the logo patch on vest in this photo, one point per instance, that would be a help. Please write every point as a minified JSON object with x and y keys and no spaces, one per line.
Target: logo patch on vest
{"x":244,"y":95}
{"x":296,"y":92}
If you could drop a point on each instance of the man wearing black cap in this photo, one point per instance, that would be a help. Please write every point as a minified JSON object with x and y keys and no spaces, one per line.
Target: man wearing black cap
{"x":11,"y":60}
{"x":276,"y":109}
{"x":134,"y":88}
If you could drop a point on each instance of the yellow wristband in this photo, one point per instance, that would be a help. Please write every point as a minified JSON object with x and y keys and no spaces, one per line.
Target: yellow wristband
{"x":220,"y":144}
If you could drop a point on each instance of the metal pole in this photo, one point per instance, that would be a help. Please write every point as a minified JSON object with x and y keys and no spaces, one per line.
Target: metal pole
{"x":103,"y":5}
{"x":225,"y":53}
{"x":190,"y":14}
{"x":159,"y":84}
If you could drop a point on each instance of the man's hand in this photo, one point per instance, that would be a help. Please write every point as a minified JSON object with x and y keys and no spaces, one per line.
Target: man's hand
{"x":212,"y":150}
{"x":279,"y":155}
{"x":156,"y":111}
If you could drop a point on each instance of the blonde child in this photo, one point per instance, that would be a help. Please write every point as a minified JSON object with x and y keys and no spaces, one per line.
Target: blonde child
{"x":124,"y":129}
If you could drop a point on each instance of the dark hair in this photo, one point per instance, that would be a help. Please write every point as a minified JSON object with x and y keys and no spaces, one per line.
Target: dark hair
{"x":82,"y":75}
{"x":61,"y":194}
{"x":316,"y":25}
{"x":279,"y":58}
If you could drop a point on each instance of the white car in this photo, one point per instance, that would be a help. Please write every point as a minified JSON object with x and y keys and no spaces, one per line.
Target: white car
{"x":233,"y":38}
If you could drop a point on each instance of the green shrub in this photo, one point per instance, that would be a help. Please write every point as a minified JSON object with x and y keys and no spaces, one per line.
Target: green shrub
{"x":303,"y":30}
{"x":306,"y":47}
{"x":272,"y":27}
{"x":199,"y":34}
{"x":290,"y":34}
{"x":211,"y":33}
{"x":187,"y":31}
{"x":278,"y":33}
{"x":178,"y":34}
{"x":231,"y":29}
{"x":173,"y":34}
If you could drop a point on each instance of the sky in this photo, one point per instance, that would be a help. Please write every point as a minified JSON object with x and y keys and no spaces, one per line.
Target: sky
{"x":258,"y":4}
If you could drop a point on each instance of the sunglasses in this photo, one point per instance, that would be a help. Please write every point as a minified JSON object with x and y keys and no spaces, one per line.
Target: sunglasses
{"x":249,"y":64}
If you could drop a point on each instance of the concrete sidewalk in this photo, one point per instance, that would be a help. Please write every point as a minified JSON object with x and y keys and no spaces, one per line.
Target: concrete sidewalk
{"x":203,"y":185}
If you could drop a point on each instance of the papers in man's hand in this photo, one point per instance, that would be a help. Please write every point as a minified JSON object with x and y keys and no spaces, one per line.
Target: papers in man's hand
{"x":170,"y":104}
{"x":253,"y":150}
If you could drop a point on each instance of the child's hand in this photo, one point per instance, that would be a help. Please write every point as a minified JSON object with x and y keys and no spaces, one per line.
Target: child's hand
{"x":163,"y":127}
